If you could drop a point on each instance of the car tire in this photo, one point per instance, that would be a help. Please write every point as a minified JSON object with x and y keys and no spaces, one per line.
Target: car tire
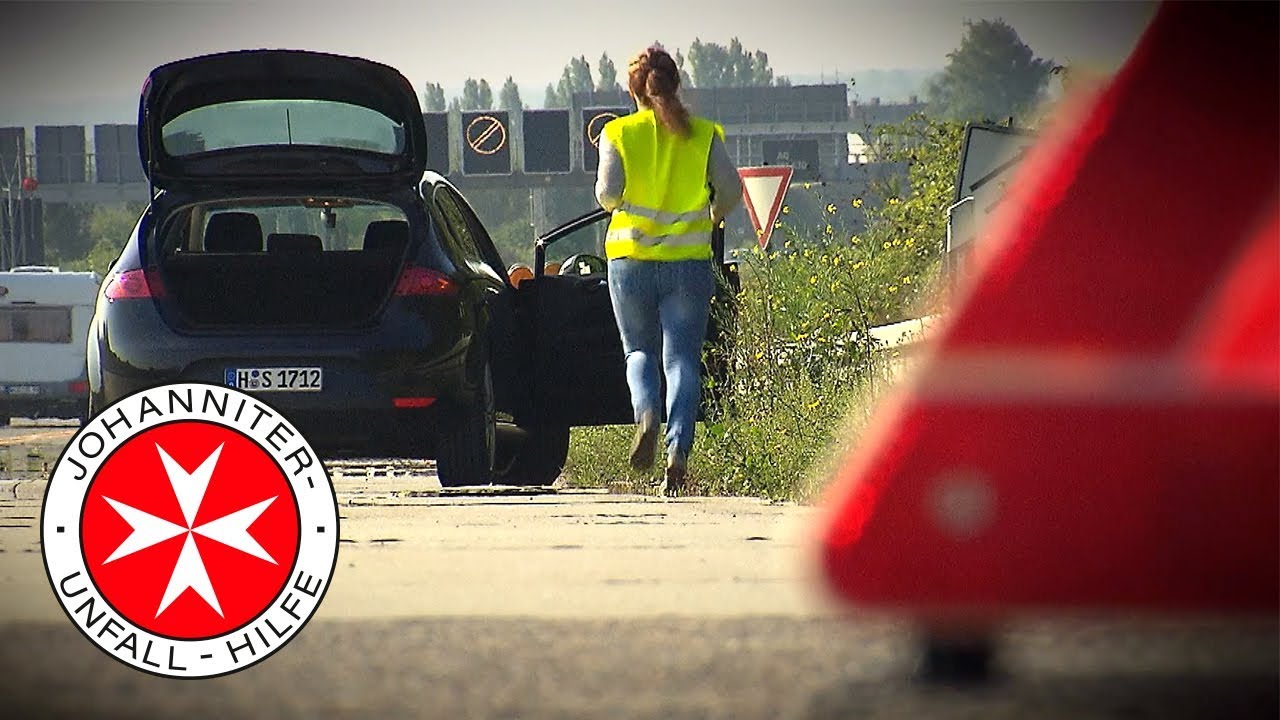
{"x":466,"y":449}
{"x":540,"y":457}
{"x":4,"y":421}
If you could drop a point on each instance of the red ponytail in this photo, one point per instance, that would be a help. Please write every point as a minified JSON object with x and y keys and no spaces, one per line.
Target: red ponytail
{"x":654,"y":79}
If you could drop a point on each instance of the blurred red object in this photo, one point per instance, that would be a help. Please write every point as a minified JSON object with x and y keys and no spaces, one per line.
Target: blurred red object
{"x":1098,"y":425}
{"x":29,"y":184}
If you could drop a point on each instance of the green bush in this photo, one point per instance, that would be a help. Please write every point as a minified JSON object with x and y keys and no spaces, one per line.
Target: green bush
{"x":109,"y":227}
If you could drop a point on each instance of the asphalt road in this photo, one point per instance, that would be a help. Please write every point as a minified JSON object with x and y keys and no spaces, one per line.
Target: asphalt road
{"x":497,"y":604}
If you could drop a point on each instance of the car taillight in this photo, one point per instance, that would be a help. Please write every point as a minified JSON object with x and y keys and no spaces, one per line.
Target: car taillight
{"x":134,"y":284}
{"x":78,"y":387}
{"x":413,"y":402}
{"x":424,"y":281}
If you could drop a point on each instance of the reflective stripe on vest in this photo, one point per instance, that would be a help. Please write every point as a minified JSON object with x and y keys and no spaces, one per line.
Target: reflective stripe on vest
{"x":665,"y":213}
{"x":663,"y":218}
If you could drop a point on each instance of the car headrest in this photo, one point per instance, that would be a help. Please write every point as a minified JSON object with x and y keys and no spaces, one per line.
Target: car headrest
{"x":233,"y":232}
{"x":294,"y":243}
{"x":386,"y":235}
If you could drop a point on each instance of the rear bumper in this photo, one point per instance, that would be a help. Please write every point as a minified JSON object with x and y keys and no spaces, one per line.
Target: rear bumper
{"x":395,"y":433}
{"x":364,"y":374}
{"x":42,"y":399}
{"x":341,"y":422}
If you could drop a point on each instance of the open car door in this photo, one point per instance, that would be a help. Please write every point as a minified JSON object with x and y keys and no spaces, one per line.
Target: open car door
{"x":565,"y":354}
{"x":576,"y":368}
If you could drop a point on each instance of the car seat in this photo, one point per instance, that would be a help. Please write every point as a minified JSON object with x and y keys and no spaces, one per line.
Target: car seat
{"x":233,"y":232}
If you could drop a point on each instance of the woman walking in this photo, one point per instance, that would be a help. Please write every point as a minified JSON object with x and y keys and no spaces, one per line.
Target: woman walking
{"x":668,"y":180}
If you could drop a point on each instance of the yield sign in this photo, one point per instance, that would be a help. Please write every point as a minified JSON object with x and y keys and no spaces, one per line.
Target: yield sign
{"x":763,"y":189}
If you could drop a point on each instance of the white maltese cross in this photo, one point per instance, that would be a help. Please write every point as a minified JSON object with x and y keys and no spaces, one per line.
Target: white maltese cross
{"x":231,"y":530}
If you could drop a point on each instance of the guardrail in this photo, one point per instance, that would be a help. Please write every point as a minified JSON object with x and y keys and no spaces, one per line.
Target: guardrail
{"x":908,"y":334}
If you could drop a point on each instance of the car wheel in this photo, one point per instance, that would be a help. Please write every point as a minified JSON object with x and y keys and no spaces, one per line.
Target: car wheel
{"x":540,"y":457}
{"x":467,"y":446}
{"x":4,"y":421}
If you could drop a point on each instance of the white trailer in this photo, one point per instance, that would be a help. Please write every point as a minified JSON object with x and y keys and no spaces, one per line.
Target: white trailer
{"x":44,"y":327}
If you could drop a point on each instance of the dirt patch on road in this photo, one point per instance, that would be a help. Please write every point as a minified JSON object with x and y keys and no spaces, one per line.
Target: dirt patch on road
{"x":28,"y":450}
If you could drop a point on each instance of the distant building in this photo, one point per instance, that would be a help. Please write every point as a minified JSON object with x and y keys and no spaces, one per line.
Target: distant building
{"x":870,"y":114}
{"x":875,"y":112}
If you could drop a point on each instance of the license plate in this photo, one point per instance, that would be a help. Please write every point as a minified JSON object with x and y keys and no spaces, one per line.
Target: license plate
{"x":276,"y":379}
{"x":21,"y":389}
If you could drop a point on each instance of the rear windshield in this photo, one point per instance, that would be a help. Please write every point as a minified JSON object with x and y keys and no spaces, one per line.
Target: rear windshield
{"x":290,"y":225}
{"x":35,"y":324}
{"x":257,"y":123}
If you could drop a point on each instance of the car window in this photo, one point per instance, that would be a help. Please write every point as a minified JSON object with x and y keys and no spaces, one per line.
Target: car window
{"x":35,"y":324}
{"x":466,"y":233}
{"x":255,"y":123}
{"x":580,"y":252}
{"x":258,"y":225}
{"x":459,"y":233}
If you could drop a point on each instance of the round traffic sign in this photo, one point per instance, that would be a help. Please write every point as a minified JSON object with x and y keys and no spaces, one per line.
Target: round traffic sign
{"x":486,"y":134}
{"x":596,"y":124}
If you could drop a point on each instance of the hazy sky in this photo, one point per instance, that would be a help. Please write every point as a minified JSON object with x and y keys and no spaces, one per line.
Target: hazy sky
{"x":73,"y":62}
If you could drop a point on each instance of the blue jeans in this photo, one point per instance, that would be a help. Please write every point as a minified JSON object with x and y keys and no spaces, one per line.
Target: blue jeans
{"x":662,"y":309}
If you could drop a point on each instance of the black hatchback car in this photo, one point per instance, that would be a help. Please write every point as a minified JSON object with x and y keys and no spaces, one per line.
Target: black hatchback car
{"x":297,"y":247}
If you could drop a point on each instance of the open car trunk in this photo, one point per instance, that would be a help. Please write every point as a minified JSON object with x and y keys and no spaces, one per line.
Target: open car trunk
{"x":220,"y":271}
{"x":252,"y":116}
{"x":337,"y":289}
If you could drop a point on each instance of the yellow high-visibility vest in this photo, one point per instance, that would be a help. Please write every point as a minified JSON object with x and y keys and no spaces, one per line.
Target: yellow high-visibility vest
{"x":665,"y":213}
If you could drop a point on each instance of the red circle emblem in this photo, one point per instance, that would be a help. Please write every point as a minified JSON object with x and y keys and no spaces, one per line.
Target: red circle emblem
{"x":190,"y":530}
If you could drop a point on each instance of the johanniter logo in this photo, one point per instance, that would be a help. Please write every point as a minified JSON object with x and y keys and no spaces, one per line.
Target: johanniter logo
{"x":190,"y":530}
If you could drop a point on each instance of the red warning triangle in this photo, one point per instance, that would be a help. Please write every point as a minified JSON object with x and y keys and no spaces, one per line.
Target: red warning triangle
{"x":1095,"y":426}
{"x":762,"y":190}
